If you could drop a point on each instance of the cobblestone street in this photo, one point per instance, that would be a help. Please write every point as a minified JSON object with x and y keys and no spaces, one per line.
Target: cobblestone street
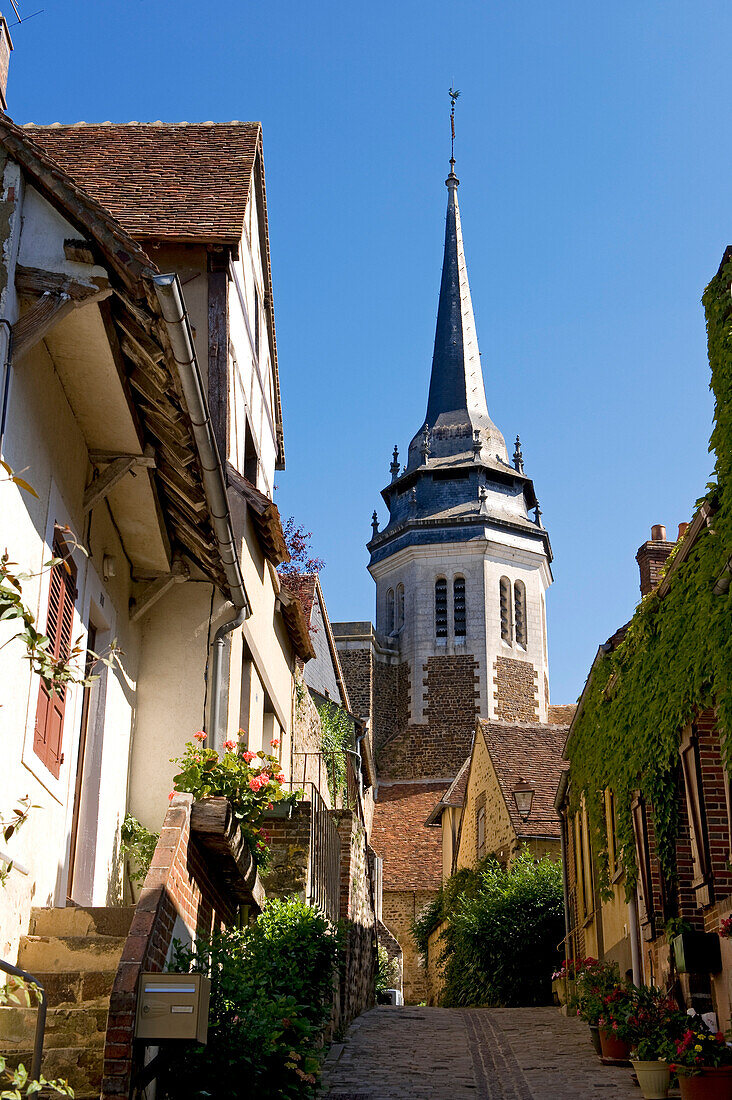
{"x":470,"y":1054}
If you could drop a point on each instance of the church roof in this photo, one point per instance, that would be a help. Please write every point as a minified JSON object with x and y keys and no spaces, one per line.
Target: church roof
{"x":456,"y":406}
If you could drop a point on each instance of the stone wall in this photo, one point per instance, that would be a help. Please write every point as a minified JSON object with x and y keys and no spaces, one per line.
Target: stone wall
{"x":357,"y":668}
{"x":289,"y":845}
{"x":179,"y":884}
{"x":393,"y":950}
{"x":401,"y":908}
{"x":439,"y":747}
{"x":358,"y":975}
{"x":516,"y":691}
{"x":435,"y":977}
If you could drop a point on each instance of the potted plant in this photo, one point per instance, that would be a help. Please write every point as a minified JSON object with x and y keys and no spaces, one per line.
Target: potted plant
{"x":617,"y":1008}
{"x":595,"y":980}
{"x":563,"y":979}
{"x":652,"y":1027}
{"x":703,"y":1061}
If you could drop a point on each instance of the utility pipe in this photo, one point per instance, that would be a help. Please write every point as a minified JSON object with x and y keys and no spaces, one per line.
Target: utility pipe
{"x":175,"y":315}
{"x":635,"y":958}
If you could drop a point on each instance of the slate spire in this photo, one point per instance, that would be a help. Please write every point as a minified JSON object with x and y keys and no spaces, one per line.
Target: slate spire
{"x":456,"y":406}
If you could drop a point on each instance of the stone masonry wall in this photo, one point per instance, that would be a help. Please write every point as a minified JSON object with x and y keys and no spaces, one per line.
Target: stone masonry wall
{"x":516,"y":691}
{"x":289,"y":844}
{"x":439,"y":747}
{"x":358,"y":673}
{"x":178,"y":884}
{"x":358,"y":975}
{"x":401,"y":908}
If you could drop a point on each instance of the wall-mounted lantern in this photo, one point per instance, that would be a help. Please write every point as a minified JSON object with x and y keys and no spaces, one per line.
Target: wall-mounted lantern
{"x":523,"y":794}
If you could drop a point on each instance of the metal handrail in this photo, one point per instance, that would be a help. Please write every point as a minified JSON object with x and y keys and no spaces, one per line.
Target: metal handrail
{"x":16,"y":972}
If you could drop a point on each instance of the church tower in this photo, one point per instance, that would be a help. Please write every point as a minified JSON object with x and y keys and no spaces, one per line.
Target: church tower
{"x":463,"y":563}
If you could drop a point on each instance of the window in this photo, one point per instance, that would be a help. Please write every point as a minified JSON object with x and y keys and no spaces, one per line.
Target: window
{"x":390,"y":611}
{"x":690,"y":763}
{"x":458,"y":608}
{"x":506,"y":623}
{"x":612,"y":834}
{"x":400,"y":606}
{"x":519,"y":599}
{"x":256,"y":323}
{"x":441,"y":607}
{"x":48,"y":730}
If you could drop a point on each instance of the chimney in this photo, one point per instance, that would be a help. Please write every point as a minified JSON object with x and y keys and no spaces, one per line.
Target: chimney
{"x":6,"y":45}
{"x":651,"y":557}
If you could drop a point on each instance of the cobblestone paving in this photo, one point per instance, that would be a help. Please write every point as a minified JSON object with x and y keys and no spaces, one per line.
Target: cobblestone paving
{"x":478,"y":1053}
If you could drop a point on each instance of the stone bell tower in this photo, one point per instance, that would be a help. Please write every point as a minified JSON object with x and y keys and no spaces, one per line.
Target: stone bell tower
{"x":463,"y":563}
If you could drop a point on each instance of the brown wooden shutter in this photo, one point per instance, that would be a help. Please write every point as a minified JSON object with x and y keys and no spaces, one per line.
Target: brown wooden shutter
{"x":691,"y":766}
{"x":48,"y":732}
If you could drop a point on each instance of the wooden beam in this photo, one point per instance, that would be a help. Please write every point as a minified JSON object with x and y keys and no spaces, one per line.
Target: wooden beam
{"x":117,"y":467}
{"x":56,"y":295}
{"x":33,"y":325}
{"x":156,"y":589}
{"x":35,"y":280}
{"x":218,"y":358}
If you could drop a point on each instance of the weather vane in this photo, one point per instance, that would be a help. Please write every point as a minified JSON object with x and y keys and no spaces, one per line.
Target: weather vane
{"x":453,"y":98}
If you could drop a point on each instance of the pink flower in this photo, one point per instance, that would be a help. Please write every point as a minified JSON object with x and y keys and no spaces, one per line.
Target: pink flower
{"x":248,"y":756}
{"x":200,"y":736}
{"x":275,"y":742}
{"x":230,"y":745}
{"x":280,"y":778}
{"x":271,"y":806}
{"x":257,"y":782}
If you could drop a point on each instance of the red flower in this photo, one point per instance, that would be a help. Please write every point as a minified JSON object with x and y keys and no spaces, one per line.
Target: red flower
{"x":229,"y":745}
{"x":200,"y":736}
{"x":171,"y":796}
{"x":248,"y":756}
{"x":275,"y":742}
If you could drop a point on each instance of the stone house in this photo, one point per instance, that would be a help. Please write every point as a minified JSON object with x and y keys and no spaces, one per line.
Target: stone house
{"x":141,"y":401}
{"x":646,"y":804}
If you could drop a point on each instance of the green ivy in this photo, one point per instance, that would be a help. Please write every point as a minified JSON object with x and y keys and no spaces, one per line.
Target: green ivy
{"x":675,"y":659}
{"x":336,"y":738}
{"x":138,"y":844}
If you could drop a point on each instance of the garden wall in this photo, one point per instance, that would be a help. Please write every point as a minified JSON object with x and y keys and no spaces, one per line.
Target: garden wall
{"x":180,"y":888}
{"x":435,"y":979}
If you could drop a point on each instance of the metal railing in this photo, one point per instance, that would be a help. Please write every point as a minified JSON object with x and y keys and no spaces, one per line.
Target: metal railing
{"x":324,"y":877}
{"x":337,"y":777}
{"x":29,"y":979}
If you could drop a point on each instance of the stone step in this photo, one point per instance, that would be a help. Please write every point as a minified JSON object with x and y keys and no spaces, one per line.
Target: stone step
{"x":80,"y":1066}
{"x":65,"y":1027}
{"x":64,"y":953}
{"x":77,"y":987}
{"x":74,"y":920}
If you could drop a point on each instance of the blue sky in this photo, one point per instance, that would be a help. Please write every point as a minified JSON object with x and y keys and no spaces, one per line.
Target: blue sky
{"x":594,"y":153}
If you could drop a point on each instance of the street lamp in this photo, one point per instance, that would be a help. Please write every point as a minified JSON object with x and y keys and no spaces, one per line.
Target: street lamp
{"x":523,"y":794}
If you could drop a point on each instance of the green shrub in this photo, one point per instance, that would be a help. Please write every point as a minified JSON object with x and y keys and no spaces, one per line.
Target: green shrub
{"x":500,"y":941}
{"x":271,"y":997}
{"x":462,"y":884}
{"x":138,"y":845}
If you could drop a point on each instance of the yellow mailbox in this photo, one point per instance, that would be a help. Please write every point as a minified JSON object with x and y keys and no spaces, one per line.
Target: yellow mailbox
{"x":173,"y":1006}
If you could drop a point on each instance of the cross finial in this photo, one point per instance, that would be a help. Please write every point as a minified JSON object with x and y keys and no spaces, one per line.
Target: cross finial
{"x":453,"y":99}
{"x":518,"y":458}
{"x":375,"y":523}
{"x":394,"y":468}
{"x":537,"y":515}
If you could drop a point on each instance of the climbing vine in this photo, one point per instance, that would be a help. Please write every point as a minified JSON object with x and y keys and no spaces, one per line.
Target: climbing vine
{"x":675,"y":659}
{"x":336,"y":738}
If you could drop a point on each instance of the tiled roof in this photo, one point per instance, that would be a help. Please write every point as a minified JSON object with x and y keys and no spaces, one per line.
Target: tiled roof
{"x":411,"y":851}
{"x":561,"y":715}
{"x":533,"y":753}
{"x":185,"y":181}
{"x":301,"y":585}
{"x":453,"y":796}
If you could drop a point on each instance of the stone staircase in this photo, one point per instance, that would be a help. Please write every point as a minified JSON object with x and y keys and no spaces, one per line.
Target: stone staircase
{"x":74,"y":953}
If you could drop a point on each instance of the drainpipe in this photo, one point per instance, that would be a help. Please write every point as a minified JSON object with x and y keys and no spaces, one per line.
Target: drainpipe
{"x":170,"y":297}
{"x":563,"y":783}
{"x":5,"y":398}
{"x":634,"y":939}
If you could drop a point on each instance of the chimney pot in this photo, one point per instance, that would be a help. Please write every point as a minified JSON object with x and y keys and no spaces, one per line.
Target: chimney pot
{"x":658,"y":533}
{"x":683,"y":528}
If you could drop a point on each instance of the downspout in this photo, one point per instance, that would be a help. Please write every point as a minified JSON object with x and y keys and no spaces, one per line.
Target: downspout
{"x":5,"y":398}
{"x":563,"y":839}
{"x":634,"y":930}
{"x":170,"y":297}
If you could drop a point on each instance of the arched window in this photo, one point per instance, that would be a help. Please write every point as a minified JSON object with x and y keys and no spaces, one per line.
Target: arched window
{"x":458,"y":606}
{"x":506,"y":618}
{"x":519,"y":599}
{"x":400,"y":606}
{"x":441,"y":607}
{"x":390,"y":611}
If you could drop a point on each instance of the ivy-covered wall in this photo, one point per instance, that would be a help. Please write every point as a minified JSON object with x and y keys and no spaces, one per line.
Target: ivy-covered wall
{"x":676,"y":657}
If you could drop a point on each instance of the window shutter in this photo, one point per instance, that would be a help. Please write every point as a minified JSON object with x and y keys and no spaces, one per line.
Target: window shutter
{"x":441,"y":607}
{"x":519,"y":591}
{"x":48,"y":731}
{"x":691,"y":766}
{"x":643,"y":854}
{"x":506,"y":623}
{"x":458,"y":596}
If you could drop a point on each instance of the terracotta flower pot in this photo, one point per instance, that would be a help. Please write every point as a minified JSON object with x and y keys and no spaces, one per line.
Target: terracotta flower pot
{"x":654,"y":1079}
{"x":711,"y":1084}
{"x":595,"y":1039}
{"x":612,"y":1047}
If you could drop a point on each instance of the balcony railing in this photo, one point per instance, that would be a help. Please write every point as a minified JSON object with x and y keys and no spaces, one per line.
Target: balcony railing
{"x":336,"y":775}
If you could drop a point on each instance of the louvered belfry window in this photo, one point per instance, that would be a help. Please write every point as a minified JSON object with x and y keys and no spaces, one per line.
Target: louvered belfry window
{"x":458,"y":596}
{"x":441,"y":607}
{"x":390,"y":611}
{"x":506,"y":623}
{"x":48,"y":732}
{"x":519,"y":590}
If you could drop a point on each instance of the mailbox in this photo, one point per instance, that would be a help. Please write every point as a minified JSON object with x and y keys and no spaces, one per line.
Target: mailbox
{"x":173,"y":1006}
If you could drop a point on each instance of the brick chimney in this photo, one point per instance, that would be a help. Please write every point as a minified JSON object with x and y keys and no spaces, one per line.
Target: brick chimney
{"x":651,"y":557}
{"x":6,"y":45}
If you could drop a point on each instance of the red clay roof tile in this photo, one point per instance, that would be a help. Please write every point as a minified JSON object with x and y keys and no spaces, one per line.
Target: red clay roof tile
{"x":412,"y":852}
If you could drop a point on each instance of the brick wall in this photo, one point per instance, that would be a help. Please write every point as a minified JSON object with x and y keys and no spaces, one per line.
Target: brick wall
{"x":180,"y":883}
{"x":439,"y":747}
{"x":358,"y":974}
{"x":516,"y":691}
